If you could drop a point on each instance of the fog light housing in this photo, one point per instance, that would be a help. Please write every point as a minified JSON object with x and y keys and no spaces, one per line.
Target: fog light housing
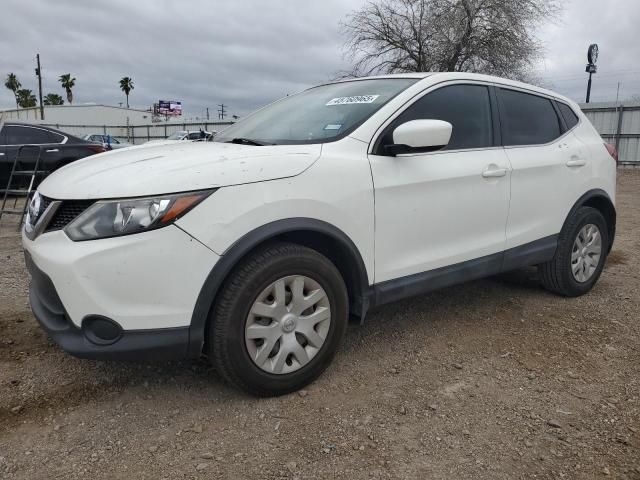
{"x":101,"y":330}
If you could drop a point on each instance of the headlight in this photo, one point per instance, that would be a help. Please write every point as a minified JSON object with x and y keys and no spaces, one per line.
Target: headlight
{"x":112,"y":218}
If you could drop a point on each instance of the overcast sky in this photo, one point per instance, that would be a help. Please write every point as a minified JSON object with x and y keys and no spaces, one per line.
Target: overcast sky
{"x":245,"y":53}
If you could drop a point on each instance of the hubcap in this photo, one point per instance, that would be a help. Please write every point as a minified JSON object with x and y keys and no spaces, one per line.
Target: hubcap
{"x":586,"y":253}
{"x":287,"y":324}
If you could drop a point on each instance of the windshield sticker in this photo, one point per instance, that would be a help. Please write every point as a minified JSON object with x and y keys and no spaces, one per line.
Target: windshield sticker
{"x":352,"y":100}
{"x":333,"y":126}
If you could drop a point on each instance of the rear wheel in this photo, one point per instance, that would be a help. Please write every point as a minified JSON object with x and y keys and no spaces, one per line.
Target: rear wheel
{"x":279,"y":320}
{"x":580,"y":256}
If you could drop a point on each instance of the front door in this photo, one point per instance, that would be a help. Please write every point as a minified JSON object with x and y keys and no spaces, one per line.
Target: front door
{"x":441,"y":208}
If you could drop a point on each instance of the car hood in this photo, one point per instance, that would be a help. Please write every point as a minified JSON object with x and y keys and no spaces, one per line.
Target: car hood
{"x":185,"y":166}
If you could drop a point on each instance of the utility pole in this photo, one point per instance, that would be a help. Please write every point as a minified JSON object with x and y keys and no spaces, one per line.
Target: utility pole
{"x":39,"y":75}
{"x":592,"y":57}
{"x":221,"y":111}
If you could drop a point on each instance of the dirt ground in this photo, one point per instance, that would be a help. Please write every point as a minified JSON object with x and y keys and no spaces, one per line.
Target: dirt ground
{"x":493,"y":379}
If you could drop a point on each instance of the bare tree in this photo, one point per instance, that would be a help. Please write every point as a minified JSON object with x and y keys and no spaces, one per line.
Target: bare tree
{"x":488,"y":36}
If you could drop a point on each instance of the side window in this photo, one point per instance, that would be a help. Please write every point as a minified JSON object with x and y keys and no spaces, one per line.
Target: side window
{"x":570,"y":117}
{"x":527,"y":119}
{"x":55,"y":137}
{"x":16,"y":135}
{"x":466,"y":107}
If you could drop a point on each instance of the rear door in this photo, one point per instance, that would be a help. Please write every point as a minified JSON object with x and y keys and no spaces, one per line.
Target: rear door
{"x":549,"y":164}
{"x":19,"y":135}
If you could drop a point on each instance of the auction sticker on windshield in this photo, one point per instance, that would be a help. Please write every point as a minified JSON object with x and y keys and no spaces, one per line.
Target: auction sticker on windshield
{"x":352,"y":100}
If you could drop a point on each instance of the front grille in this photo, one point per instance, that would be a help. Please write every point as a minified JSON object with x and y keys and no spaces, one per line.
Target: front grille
{"x":68,"y":211}
{"x":44,"y":203}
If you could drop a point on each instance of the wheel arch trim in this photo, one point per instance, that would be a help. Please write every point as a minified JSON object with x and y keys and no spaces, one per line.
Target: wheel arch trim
{"x":239,"y":249}
{"x":597,"y":195}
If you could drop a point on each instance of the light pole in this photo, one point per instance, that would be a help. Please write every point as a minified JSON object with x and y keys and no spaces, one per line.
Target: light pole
{"x":592,"y":57}
{"x":39,"y":75}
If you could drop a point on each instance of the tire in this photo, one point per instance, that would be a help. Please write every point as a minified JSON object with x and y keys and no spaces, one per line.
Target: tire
{"x":229,"y":347}
{"x":557,"y":275}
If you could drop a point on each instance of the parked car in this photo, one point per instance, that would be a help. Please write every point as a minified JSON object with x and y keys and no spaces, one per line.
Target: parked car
{"x":186,"y":135}
{"x":57,"y":149}
{"x":107,"y":141}
{"x":321,"y":206}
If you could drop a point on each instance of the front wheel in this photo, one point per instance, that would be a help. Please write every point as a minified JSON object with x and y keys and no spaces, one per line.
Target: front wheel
{"x":279,"y":320}
{"x":580,"y":256}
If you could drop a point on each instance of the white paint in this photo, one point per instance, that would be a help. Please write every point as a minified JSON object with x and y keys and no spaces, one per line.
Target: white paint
{"x":144,"y":281}
{"x":177,"y":167}
{"x":423,"y":133}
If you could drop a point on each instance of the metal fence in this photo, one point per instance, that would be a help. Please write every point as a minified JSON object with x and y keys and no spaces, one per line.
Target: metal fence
{"x":618,"y":124}
{"x":138,"y":134}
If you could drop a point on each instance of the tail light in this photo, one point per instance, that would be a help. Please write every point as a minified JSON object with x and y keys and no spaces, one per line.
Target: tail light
{"x":612,"y":151}
{"x":96,"y":148}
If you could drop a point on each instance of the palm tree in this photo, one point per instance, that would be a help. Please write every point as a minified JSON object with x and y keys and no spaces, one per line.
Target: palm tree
{"x":126,"y":85}
{"x":53,"y":99}
{"x":13,"y":84}
{"x":26,"y":98}
{"x":68,"y":83}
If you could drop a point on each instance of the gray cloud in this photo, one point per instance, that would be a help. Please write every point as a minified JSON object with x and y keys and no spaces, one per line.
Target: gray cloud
{"x":613,"y":25}
{"x":249,"y":52}
{"x":242,"y":53}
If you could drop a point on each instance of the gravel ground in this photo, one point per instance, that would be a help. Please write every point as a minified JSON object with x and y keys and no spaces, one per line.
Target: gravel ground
{"x":492,"y":379}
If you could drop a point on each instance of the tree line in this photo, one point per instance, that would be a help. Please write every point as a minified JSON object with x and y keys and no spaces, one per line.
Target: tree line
{"x":25,"y":98}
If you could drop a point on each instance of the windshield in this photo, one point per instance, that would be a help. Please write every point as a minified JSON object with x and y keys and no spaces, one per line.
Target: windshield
{"x":176,"y":136}
{"x":317,"y":115}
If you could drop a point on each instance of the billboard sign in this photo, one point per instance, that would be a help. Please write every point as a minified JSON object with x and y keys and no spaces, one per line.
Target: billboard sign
{"x":170,"y":108}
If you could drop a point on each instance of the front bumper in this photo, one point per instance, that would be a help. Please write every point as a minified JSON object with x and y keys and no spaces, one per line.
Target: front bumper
{"x":143,"y":287}
{"x":152,"y":344}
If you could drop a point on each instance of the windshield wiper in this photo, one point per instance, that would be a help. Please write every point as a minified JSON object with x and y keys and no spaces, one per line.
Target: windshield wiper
{"x":248,"y":141}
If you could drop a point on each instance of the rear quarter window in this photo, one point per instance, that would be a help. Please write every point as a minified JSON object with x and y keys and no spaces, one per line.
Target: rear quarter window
{"x":55,"y":137}
{"x":570,"y":117}
{"x":527,"y":119}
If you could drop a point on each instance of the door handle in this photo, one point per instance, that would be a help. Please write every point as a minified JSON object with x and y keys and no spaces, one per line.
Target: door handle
{"x":53,"y":150}
{"x":494,"y":172}
{"x":576,"y":162}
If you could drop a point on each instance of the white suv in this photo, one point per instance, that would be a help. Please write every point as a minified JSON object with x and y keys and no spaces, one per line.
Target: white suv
{"x":255,"y":249}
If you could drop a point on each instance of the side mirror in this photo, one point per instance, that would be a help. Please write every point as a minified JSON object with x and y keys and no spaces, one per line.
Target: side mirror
{"x":420,"y":136}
